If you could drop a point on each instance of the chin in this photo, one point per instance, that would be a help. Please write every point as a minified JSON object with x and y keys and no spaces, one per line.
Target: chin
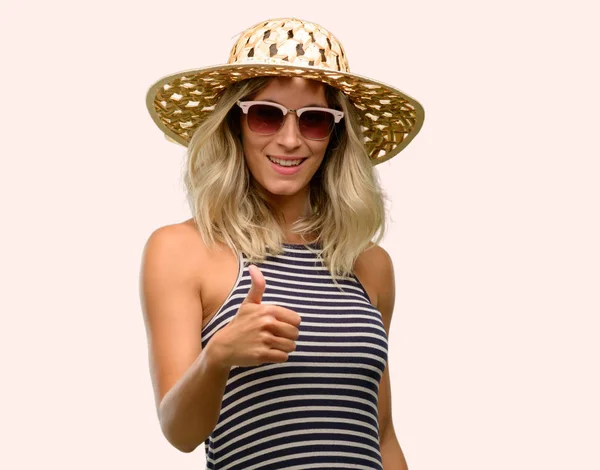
{"x":283,"y":189}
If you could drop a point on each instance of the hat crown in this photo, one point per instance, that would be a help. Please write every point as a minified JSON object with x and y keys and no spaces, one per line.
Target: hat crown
{"x":289,"y":41}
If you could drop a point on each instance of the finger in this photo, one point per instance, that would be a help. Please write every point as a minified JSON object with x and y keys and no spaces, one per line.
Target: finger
{"x":286,"y":315}
{"x":257,"y":286}
{"x":283,"y":344}
{"x":285,"y":330}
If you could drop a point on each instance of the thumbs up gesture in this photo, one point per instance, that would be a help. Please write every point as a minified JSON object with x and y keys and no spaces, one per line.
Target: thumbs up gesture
{"x":258,"y":333}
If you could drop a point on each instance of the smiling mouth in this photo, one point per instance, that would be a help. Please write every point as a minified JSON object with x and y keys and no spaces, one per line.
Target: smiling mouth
{"x":286,"y":162}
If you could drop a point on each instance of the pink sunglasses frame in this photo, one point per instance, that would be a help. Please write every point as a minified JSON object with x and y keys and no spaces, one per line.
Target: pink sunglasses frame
{"x":337,"y":115}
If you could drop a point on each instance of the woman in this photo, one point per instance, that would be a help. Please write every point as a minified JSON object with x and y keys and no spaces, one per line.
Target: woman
{"x":268,"y":312}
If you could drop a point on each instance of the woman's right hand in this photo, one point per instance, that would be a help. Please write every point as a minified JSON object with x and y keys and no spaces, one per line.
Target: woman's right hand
{"x":258,"y":333}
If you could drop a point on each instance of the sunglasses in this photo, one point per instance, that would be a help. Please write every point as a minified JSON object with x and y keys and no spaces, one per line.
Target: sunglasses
{"x":267,"y":118}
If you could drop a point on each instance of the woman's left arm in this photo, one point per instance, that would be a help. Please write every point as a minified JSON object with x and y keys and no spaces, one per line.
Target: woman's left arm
{"x":391,"y":453}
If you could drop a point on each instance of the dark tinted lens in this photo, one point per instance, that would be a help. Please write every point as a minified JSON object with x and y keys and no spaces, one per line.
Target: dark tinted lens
{"x":316,"y":124}
{"x":264,"y":119}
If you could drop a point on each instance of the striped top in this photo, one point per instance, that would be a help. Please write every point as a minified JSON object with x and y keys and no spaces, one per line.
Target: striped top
{"x":319,"y":408}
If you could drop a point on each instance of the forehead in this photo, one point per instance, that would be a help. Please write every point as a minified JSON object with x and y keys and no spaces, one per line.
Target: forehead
{"x":293,"y":92}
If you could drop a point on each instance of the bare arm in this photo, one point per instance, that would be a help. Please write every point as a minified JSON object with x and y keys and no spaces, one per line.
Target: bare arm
{"x":190,"y":410}
{"x":188,"y":382}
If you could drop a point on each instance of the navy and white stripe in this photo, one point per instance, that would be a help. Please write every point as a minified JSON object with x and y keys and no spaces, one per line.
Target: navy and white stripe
{"x":318,"y":409}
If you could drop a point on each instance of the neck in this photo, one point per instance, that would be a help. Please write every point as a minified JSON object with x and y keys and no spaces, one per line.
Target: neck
{"x":291,"y":208}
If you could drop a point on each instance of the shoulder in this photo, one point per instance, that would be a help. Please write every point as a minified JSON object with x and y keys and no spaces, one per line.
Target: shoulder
{"x":178,"y":238}
{"x":386,"y":285}
{"x":178,"y":247}
{"x":375,"y":266}
{"x":377,"y":261}
{"x":378,"y":255}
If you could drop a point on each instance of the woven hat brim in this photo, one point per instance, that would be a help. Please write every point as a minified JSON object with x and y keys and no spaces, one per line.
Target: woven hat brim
{"x":390,"y":118}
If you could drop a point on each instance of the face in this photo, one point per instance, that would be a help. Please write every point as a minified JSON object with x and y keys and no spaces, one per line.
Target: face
{"x":293,"y":93}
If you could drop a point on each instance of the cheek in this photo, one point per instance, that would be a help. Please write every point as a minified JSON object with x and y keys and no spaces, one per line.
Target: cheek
{"x":253,"y":147}
{"x":248,"y":143}
{"x":319,"y":148}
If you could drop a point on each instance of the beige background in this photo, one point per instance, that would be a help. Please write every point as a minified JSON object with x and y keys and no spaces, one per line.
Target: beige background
{"x":493,"y":223}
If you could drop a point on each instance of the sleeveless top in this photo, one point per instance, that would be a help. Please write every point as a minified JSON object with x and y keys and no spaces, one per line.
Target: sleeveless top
{"x":318,"y":409}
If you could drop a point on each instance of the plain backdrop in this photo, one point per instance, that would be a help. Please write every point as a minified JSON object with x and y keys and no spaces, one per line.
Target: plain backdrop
{"x":493,"y":223}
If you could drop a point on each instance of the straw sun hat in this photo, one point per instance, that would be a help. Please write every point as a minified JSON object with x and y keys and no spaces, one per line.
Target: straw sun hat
{"x":287,"y":47}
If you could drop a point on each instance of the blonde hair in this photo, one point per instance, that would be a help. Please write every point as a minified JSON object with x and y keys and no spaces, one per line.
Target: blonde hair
{"x":345,"y":208}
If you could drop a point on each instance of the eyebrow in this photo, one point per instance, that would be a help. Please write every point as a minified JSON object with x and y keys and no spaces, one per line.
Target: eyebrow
{"x":317,"y":105}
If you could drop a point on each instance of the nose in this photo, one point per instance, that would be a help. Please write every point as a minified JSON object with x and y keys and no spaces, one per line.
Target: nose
{"x":289,"y":135}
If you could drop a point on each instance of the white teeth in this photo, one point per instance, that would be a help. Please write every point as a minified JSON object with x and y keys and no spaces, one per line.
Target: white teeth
{"x":285,"y":162}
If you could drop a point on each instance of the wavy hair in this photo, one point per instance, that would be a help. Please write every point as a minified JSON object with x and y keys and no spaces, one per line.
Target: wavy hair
{"x":345,"y":208}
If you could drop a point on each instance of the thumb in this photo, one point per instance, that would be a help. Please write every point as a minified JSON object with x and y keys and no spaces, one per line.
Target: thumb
{"x":257,"y":288}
